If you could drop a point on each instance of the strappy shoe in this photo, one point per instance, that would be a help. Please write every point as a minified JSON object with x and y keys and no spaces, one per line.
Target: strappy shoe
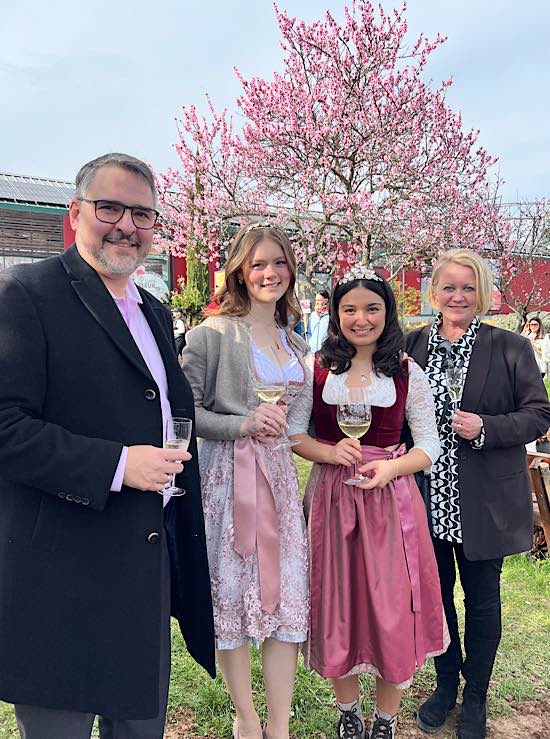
{"x":349,"y":726}
{"x":383,"y":729}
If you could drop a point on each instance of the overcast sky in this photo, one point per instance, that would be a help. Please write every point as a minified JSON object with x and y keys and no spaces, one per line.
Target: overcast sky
{"x":80,"y":79}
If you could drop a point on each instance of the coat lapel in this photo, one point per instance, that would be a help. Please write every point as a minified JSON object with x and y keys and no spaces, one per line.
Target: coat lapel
{"x":96,"y":299}
{"x":478,"y":370}
{"x":418,"y":348}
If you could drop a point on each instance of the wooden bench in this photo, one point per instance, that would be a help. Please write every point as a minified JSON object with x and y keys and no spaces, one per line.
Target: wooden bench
{"x":539,"y":473}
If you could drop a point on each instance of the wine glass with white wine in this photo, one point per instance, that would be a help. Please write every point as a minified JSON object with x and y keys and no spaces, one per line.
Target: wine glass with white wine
{"x":353,"y":415}
{"x":454,"y":375}
{"x":267,"y":375}
{"x":178,"y":436}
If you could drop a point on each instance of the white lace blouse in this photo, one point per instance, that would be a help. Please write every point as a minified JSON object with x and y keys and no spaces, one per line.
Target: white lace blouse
{"x":419,"y":406}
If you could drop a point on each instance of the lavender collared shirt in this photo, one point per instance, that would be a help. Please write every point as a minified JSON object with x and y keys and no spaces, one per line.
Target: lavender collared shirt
{"x":145,"y":341}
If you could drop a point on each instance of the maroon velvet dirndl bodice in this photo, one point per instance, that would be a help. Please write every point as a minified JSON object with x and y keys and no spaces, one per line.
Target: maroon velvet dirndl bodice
{"x":386,"y":425}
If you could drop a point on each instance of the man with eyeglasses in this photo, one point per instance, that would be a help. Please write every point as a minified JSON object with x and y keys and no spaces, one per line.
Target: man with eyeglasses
{"x":92,"y":559}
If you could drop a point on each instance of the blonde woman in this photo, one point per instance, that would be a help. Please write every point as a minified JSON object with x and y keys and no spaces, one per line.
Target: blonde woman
{"x":257,"y":546}
{"x":481,"y":507}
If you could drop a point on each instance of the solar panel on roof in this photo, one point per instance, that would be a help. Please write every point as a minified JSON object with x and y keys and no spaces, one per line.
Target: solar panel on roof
{"x":15,"y":188}
{"x":41,"y":192}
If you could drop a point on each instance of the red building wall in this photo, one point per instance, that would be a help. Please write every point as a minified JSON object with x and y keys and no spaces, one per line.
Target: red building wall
{"x":522,"y":284}
{"x":68,"y":233}
{"x":178,"y":268}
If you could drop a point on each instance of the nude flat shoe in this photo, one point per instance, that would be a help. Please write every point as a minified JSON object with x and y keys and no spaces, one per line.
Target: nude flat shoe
{"x":236,"y":734}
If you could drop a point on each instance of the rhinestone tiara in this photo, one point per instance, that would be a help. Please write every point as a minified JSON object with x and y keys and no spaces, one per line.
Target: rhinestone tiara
{"x":261,"y":224}
{"x":359,"y":272}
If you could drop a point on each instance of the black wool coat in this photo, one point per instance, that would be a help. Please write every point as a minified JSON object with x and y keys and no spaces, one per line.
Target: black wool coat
{"x":80,"y":566}
{"x":505,"y":388}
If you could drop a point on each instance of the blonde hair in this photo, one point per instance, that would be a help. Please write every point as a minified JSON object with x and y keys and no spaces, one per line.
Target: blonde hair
{"x":481,"y":269}
{"x":232,"y":297}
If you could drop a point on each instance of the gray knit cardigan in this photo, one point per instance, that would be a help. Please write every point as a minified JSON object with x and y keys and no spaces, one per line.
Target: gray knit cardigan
{"x":215,"y":361}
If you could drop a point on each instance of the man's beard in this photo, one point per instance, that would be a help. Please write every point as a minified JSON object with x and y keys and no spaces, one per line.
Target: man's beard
{"x":121,"y":265}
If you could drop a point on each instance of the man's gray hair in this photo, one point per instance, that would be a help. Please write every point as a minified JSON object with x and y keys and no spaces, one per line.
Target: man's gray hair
{"x":86,"y":173}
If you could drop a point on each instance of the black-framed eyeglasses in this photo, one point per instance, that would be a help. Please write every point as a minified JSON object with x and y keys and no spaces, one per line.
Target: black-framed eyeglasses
{"x":111,"y":211}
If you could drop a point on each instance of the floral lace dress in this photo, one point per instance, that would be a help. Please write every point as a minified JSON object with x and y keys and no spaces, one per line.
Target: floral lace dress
{"x":236,"y":592}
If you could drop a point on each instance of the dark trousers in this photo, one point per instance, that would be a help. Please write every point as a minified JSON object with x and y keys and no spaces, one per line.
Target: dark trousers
{"x":483,"y":626}
{"x":180,"y":343}
{"x":35,"y":722}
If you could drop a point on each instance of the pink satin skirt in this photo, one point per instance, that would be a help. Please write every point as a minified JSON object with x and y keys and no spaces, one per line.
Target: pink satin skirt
{"x":375,"y":596}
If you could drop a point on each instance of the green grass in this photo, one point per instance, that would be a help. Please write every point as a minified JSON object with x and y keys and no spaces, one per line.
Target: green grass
{"x":8,"y":727}
{"x":522,"y":670}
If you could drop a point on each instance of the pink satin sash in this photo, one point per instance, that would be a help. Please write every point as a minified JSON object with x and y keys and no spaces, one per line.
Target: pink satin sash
{"x":255,"y":518}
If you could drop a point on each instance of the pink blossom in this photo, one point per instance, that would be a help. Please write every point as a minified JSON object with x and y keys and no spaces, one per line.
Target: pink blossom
{"x":348,"y":147}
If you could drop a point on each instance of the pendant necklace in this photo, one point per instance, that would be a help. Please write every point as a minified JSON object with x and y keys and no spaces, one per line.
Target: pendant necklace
{"x":270,"y":328}
{"x":364,"y":375}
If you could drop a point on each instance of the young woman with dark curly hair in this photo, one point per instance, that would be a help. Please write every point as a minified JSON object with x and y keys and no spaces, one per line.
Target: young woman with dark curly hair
{"x":375,"y":600}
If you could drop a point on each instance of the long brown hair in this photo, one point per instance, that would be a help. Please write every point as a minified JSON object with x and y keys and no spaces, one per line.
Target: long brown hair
{"x":232,"y":297}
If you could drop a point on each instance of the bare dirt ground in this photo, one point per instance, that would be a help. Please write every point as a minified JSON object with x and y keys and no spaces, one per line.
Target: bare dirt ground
{"x":528,"y":720}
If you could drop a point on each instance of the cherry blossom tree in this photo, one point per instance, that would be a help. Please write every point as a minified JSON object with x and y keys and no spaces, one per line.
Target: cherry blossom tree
{"x":521,"y":255}
{"x":348,"y":147}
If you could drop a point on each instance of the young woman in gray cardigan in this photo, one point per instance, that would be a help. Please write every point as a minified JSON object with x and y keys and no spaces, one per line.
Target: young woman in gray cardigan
{"x":256,"y":536}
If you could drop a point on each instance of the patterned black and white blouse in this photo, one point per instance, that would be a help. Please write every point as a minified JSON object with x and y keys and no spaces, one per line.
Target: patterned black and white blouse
{"x":445,"y":505}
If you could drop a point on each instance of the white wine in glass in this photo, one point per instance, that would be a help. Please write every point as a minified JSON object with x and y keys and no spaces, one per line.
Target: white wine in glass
{"x":455,"y":384}
{"x":268,"y":392}
{"x":353,"y":416}
{"x":178,"y":436}
{"x":355,"y":429}
{"x":267,"y":375}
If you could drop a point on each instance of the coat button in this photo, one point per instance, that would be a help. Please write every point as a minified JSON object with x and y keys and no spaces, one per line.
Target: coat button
{"x":85,"y":501}
{"x":153,"y":537}
{"x":150,"y":394}
{"x":77,"y":499}
{"x":61,"y":495}
{"x":69,"y":497}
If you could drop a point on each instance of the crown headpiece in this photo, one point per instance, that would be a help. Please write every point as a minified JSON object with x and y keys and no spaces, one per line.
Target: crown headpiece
{"x":260,"y":224}
{"x":359,"y":272}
